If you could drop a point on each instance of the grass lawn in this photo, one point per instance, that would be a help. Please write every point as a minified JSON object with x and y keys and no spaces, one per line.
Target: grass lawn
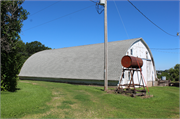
{"x":29,"y":99}
{"x":38,"y":99}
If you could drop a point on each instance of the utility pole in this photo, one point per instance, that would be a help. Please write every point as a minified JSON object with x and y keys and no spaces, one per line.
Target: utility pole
{"x":104,"y":2}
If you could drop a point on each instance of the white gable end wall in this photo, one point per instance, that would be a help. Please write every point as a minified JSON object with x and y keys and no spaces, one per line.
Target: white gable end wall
{"x":138,"y":49}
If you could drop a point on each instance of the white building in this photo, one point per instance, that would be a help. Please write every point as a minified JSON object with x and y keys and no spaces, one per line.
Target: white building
{"x":85,"y":64}
{"x":141,"y":50}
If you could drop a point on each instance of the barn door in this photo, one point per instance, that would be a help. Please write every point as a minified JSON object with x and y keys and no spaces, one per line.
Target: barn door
{"x":148,"y":71}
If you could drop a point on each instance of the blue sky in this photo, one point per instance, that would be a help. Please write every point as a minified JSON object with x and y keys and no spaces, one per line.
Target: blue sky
{"x":87,"y":26}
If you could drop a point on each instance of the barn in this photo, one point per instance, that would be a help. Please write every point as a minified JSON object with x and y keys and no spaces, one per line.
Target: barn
{"x":85,"y":64}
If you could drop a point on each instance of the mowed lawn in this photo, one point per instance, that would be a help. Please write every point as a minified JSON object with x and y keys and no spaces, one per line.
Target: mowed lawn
{"x":39,"y":99}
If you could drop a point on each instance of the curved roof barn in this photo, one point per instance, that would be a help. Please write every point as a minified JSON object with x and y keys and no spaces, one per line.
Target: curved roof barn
{"x":80,"y":62}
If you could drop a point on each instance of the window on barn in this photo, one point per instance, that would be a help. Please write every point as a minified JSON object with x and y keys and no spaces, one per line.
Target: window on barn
{"x":129,"y":75}
{"x":131,"y":51}
{"x":146,"y":54}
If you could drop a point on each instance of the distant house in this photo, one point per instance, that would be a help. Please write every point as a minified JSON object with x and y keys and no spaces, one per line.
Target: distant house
{"x":85,"y":64}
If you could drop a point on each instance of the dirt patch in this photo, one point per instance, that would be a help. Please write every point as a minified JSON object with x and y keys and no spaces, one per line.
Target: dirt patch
{"x":56,"y":93}
{"x":24,"y":81}
{"x":110,"y":91}
{"x":75,"y":106}
{"x":28,"y":82}
{"x":55,"y":98}
{"x":40,"y":115}
{"x":147,"y":96}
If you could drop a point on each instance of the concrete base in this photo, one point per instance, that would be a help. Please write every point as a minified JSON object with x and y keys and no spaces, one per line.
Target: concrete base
{"x":152,"y":83}
{"x":163,"y":82}
{"x":72,"y":81}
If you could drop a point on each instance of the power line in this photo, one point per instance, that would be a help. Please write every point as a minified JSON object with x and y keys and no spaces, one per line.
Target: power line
{"x":59,"y":18}
{"x":44,"y":8}
{"x":161,"y":48}
{"x":99,"y":8}
{"x":167,"y":52}
{"x":165,"y":48}
{"x":150,"y":20}
{"x":93,"y":1}
{"x":121,"y":19}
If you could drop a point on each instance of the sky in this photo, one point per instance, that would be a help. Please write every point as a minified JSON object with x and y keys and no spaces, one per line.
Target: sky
{"x":60,"y":23}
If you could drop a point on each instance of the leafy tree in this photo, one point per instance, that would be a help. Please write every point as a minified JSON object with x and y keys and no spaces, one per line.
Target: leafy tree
{"x":26,"y":50}
{"x":166,"y":74}
{"x":34,"y":47}
{"x":172,"y":73}
{"x":21,"y":49}
{"x":177,"y":66}
{"x":12,"y":16}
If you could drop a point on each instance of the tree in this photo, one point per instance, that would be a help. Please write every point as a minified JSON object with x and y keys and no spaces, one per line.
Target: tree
{"x":166,"y":74}
{"x":177,"y":66}
{"x":12,"y":16}
{"x":172,"y":73}
{"x":26,"y":50}
{"x":34,"y":47}
{"x":21,"y":49}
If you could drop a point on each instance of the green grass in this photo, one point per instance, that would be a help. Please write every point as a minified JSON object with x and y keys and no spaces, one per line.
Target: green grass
{"x":28,"y":100}
{"x":79,"y":101}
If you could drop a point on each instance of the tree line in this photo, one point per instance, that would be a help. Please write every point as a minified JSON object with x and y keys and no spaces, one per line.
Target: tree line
{"x":25,"y":50}
{"x":14,"y":51}
{"x":171,"y":74}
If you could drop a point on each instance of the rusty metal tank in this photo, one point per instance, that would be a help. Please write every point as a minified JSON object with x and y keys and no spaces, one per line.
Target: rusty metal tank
{"x":131,"y":62}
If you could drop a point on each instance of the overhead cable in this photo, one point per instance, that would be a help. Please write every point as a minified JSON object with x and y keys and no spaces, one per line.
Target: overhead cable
{"x":160,"y":48}
{"x":165,"y":48}
{"x":93,"y":1}
{"x":59,"y":18}
{"x":150,"y":20}
{"x":99,"y":8}
{"x":43,"y":9}
{"x":167,"y":52}
{"x":121,"y":19}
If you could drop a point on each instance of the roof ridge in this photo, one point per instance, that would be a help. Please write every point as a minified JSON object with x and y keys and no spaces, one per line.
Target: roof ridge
{"x":96,"y":44}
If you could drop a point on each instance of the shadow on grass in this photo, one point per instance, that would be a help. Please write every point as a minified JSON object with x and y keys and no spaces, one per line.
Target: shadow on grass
{"x":99,"y":89}
{"x":12,"y":91}
{"x":16,"y":89}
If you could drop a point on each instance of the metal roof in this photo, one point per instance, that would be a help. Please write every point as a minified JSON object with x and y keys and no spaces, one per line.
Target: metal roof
{"x":80,"y":62}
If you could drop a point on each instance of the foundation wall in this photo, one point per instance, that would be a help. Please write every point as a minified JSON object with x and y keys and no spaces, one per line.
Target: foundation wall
{"x":72,"y":81}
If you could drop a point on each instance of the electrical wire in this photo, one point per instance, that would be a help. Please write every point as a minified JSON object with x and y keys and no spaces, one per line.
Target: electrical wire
{"x":167,"y":52}
{"x":59,"y":18}
{"x":44,"y":8}
{"x":99,"y":8}
{"x":93,"y":1}
{"x":165,"y":48}
{"x":161,"y":48}
{"x":150,"y":20}
{"x":121,"y":19}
